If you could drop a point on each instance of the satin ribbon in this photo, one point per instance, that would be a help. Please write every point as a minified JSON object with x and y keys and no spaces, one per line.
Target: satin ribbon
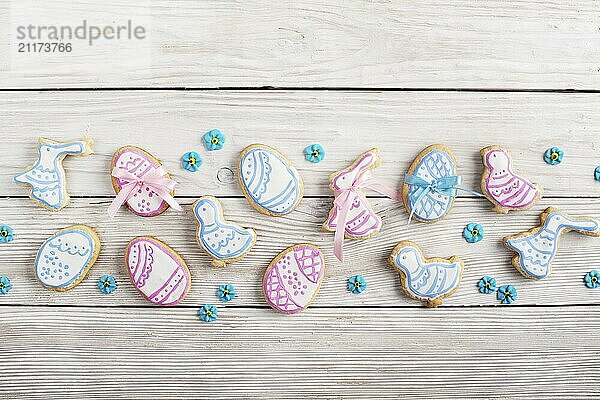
{"x":154,"y":179}
{"x":343,"y":201}
{"x":447,"y":185}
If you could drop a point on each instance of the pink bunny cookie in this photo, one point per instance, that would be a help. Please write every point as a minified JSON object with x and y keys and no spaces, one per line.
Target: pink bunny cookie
{"x":505,"y":189}
{"x":350,"y":204}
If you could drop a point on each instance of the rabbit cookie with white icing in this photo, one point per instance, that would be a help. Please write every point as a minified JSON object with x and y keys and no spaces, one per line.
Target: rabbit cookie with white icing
{"x":269,"y":181}
{"x":536,"y":248}
{"x":504,"y":188}
{"x":426,"y":279}
{"x":46,"y":176}
{"x":225,"y":242}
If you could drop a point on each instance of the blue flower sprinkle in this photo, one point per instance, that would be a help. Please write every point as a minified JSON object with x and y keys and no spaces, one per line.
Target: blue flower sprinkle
{"x":473,"y":232}
{"x":107,"y":284}
{"x":226,"y":292}
{"x":553,"y":156}
{"x":314,"y":153}
{"x":357,"y":284}
{"x":208,"y":313}
{"x":5,"y":285}
{"x":191,"y":161}
{"x":507,"y":294}
{"x":597,"y":173}
{"x":592,"y":279}
{"x":487,"y":285}
{"x":214,"y":140}
{"x":6,"y":234}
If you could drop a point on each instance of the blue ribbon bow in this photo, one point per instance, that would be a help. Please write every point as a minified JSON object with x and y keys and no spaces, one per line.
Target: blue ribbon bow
{"x":447,"y":185}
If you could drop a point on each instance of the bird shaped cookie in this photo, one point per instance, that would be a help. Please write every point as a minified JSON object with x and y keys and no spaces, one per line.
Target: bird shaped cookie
{"x":536,"y":248}
{"x":225,"y":242}
{"x":505,"y":189}
{"x":426,"y":279}
{"x":47,"y":177}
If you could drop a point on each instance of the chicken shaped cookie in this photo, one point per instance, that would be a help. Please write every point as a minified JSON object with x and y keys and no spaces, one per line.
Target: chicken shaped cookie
{"x":505,"y":189}
{"x":426,"y":279}
{"x":224,"y":242}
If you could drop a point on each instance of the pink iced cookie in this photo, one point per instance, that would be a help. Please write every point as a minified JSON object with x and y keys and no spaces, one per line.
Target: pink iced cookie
{"x":505,"y":189}
{"x":362,"y":222}
{"x":144,"y":201}
{"x":157,"y":271}
{"x":293,"y":278}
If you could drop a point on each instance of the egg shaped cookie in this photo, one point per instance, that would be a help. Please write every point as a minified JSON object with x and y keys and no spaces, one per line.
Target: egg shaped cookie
{"x":269,"y":181}
{"x":65,"y":258}
{"x":293,"y":278}
{"x":157,"y":271}
{"x":132,"y":160}
{"x":432,"y":166}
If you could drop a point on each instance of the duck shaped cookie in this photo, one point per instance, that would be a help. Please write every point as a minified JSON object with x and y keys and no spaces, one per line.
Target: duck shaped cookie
{"x":47,"y":177}
{"x":505,"y":189}
{"x":426,"y":279}
{"x":225,"y":242}
{"x":536,"y":248}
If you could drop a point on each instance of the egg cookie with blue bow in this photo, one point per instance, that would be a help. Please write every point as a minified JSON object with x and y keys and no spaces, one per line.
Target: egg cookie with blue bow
{"x":426,"y":279}
{"x":65,"y":258}
{"x":46,"y":177}
{"x":430,"y":184}
{"x":269,"y":181}
{"x":224,"y":242}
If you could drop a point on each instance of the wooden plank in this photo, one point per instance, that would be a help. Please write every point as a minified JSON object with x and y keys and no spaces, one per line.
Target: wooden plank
{"x":347,"y":123}
{"x":577,"y":254}
{"x":528,"y":353}
{"x":409,"y":44}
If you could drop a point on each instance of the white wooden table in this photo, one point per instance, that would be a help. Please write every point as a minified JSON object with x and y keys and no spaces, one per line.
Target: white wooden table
{"x":398,"y":75}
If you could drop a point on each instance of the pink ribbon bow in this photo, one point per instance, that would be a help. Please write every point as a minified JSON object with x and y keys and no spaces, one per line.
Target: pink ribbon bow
{"x":344,"y":199}
{"x":154,"y":179}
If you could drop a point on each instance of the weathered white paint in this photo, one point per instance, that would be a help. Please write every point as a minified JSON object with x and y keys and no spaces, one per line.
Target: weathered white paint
{"x":310,"y":43}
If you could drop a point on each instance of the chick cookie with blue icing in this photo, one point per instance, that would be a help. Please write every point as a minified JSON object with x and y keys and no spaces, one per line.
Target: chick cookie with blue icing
{"x":535,"y":249}
{"x":46,"y":177}
{"x":225,"y":242}
{"x":426,"y":279}
{"x":430,"y":184}
{"x":65,"y":258}
{"x":269,"y":181}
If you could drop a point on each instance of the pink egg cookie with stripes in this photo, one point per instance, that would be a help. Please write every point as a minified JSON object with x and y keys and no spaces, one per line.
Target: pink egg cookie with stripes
{"x":293,"y":278}
{"x":156,"y":270}
{"x":130,"y":165}
{"x":502,"y":186}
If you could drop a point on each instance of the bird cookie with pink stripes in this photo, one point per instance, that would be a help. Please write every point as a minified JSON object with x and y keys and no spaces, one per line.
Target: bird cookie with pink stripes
{"x":504,"y":188}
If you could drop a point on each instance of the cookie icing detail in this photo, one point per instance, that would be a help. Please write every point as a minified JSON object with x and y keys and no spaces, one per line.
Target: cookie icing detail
{"x":47,"y":176}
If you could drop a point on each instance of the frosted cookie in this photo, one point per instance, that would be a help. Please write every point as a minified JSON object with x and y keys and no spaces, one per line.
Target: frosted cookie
{"x":269,"y":181}
{"x":505,"y":189}
{"x":157,"y":272}
{"x":224,"y":242}
{"x":430,"y":184}
{"x":426,"y":279}
{"x":65,"y":258}
{"x":535,"y":249}
{"x":47,"y":177}
{"x":293,"y":278}
{"x":141,"y":182}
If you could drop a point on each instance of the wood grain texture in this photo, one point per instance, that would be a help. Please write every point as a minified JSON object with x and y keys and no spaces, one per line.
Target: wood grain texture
{"x":308,"y":43}
{"x":400,"y":124}
{"x":576,"y":256}
{"x":527,"y":353}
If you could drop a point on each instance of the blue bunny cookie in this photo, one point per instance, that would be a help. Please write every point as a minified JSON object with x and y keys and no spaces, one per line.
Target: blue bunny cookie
{"x":223,"y":241}
{"x":426,"y":279}
{"x":47,"y":177}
